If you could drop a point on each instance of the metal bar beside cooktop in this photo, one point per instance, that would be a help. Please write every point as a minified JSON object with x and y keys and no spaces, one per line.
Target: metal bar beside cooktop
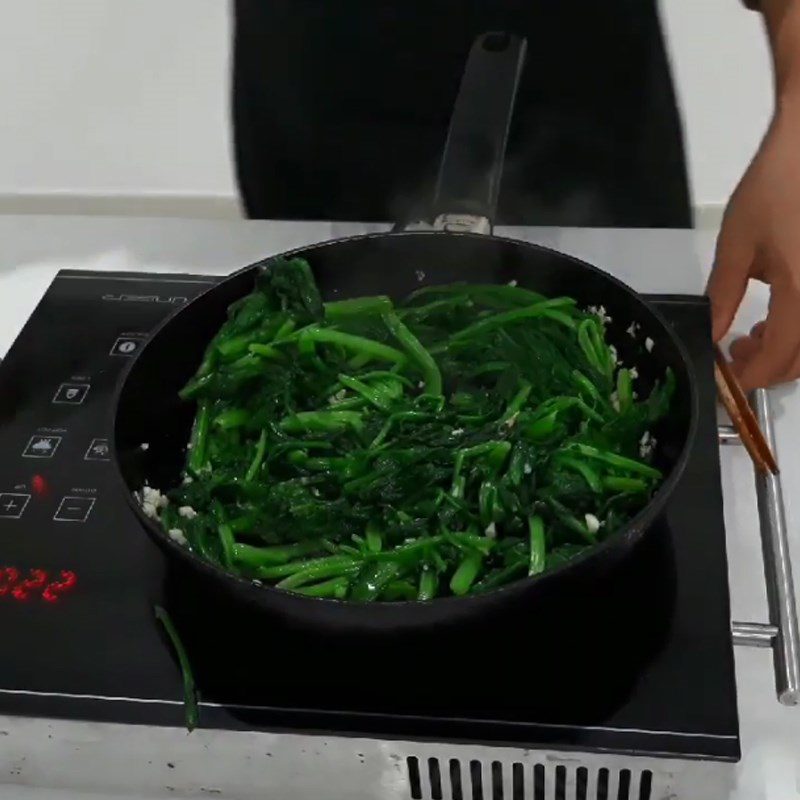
{"x":782,"y":634}
{"x":778,"y":566}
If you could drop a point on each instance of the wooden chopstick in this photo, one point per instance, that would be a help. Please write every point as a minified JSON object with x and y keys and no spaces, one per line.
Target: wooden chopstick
{"x":742,"y":416}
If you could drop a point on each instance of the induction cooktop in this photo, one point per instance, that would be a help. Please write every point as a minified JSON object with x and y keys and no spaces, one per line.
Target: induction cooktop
{"x":647,"y":669}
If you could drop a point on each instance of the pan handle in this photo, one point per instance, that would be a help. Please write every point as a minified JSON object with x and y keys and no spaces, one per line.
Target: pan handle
{"x":472,"y":162}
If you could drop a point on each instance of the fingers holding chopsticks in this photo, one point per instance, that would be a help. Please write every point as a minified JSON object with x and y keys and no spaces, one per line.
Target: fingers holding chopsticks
{"x":770,"y":353}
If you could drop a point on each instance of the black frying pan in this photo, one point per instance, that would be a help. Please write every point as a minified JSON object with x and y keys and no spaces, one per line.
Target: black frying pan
{"x":148,"y":408}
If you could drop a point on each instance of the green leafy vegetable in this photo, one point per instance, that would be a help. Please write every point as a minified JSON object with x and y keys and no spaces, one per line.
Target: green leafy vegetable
{"x":190,"y":697}
{"x":449,"y":443}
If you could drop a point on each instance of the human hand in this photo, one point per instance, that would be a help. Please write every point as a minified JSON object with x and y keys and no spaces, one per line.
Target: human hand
{"x":760,"y":239}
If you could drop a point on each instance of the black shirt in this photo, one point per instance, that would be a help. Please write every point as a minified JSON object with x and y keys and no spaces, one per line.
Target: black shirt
{"x":341,"y":109}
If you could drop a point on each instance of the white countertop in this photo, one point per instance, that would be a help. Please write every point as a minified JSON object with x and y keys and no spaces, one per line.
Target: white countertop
{"x":33,"y":248}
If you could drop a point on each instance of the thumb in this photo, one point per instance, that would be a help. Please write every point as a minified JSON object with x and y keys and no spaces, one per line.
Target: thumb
{"x":729,"y":276}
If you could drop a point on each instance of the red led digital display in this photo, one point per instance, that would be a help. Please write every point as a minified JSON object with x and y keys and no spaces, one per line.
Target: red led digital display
{"x":35,"y":584}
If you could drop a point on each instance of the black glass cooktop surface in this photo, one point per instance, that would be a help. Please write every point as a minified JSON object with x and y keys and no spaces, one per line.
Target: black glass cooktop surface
{"x":652,"y":672}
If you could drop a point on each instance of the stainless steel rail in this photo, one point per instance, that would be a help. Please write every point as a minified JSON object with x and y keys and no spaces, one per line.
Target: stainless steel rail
{"x":782,"y":633}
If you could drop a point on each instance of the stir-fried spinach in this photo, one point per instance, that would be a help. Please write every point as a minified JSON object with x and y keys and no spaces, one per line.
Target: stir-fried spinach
{"x":370,"y":450}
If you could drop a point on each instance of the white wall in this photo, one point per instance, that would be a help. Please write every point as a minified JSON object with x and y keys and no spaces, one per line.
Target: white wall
{"x":114,"y":96}
{"x":722,"y":70}
{"x":129,"y":98}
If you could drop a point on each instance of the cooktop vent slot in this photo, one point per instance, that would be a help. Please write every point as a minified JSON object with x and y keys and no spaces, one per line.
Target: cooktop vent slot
{"x":457,"y":779}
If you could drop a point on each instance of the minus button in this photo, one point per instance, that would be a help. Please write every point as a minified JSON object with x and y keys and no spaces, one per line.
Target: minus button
{"x":74,"y":509}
